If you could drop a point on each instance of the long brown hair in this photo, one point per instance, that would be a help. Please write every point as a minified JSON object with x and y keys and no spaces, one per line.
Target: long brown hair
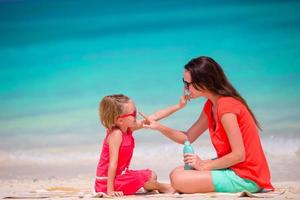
{"x":208,"y":74}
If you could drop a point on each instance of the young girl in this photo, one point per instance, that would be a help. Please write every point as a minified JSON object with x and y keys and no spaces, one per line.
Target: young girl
{"x":241,"y":163}
{"x":118,"y":115}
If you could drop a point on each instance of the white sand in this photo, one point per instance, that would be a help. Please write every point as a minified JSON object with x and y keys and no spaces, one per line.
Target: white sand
{"x":82,"y":187}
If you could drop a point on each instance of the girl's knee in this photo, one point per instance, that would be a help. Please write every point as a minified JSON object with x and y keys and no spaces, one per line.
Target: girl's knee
{"x":153,"y":176}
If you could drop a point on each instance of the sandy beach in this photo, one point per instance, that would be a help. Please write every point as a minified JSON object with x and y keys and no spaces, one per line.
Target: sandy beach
{"x":53,"y":177}
{"x":82,"y":187}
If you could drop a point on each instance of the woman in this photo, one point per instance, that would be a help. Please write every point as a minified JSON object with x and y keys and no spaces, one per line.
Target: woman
{"x":240,"y":164}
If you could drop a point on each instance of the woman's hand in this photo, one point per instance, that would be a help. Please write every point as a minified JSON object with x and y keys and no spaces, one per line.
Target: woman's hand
{"x":149,"y":123}
{"x":196,"y":162}
{"x":152,"y":124}
{"x":115,"y":193}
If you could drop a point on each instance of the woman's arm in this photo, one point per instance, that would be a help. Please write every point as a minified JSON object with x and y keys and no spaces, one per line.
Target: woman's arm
{"x":114,"y":142}
{"x":180,"y":136}
{"x":237,"y":154}
{"x":175,"y":135}
{"x":197,"y":128}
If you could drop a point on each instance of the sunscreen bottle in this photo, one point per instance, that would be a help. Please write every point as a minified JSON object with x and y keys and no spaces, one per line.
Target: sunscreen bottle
{"x":187,"y":148}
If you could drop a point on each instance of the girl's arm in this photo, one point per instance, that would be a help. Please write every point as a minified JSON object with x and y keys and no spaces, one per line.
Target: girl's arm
{"x":180,"y":136}
{"x":162,"y":113}
{"x":169,"y":110}
{"x":114,"y":142}
{"x":237,"y":154}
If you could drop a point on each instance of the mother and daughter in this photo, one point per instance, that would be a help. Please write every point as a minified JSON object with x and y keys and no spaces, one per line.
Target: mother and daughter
{"x":240,"y":164}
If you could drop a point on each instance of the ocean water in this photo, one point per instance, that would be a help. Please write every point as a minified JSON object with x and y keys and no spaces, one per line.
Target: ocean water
{"x":59,"y":58}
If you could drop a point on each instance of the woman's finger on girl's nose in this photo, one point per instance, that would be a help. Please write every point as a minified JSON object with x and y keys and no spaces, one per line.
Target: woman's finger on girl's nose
{"x":144,"y":116}
{"x":144,"y":121}
{"x":146,"y":126}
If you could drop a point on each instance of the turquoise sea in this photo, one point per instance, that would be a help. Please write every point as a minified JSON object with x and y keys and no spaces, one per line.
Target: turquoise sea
{"x":59,"y":58}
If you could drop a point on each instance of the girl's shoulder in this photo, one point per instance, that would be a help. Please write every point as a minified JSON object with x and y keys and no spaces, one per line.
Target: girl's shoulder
{"x":115,"y":131}
{"x":114,"y":136}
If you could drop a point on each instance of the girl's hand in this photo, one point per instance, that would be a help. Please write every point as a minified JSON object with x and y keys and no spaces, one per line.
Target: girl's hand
{"x":184,"y":99}
{"x":115,"y":194}
{"x":196,"y":162}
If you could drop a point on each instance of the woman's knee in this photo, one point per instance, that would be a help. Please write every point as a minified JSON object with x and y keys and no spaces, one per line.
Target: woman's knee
{"x":176,"y":181}
{"x":175,"y":171}
{"x":176,"y":178}
{"x":190,"y":182}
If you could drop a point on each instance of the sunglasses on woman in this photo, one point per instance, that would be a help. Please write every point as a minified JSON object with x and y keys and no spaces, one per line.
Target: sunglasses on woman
{"x":186,"y":84}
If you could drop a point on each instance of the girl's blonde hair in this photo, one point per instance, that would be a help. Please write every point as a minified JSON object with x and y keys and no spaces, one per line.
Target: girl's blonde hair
{"x":110,"y":108}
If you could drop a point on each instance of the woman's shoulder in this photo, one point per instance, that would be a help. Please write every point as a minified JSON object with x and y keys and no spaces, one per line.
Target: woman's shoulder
{"x":229,"y":101}
{"x":229,"y":104}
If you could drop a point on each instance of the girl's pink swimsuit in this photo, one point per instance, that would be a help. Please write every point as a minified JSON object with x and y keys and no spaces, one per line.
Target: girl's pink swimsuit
{"x":127,"y":181}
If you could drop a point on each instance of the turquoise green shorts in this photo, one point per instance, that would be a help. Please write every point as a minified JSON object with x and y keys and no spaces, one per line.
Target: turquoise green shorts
{"x":226,"y":180}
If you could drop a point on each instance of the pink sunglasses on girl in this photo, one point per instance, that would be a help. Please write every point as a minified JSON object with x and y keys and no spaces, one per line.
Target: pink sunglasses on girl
{"x":133,"y":114}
